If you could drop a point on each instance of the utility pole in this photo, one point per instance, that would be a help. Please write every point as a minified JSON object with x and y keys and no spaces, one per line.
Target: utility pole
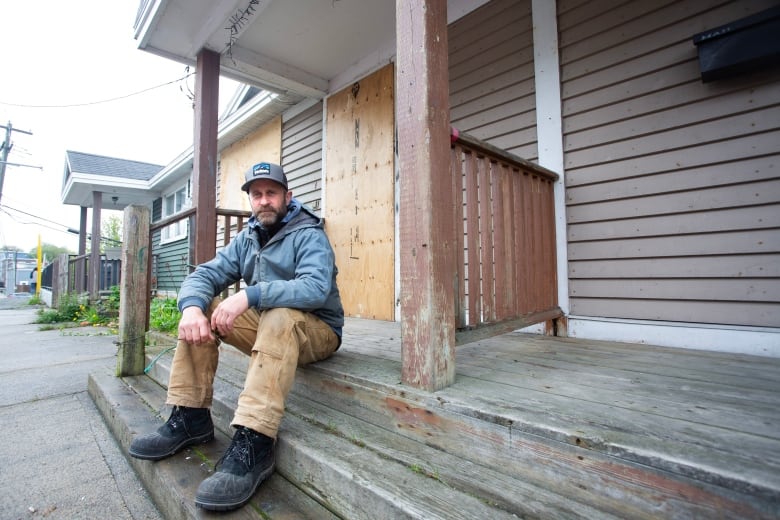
{"x":5,"y":148}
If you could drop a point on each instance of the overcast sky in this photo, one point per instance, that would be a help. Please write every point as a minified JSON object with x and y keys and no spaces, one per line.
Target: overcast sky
{"x":60,"y":61}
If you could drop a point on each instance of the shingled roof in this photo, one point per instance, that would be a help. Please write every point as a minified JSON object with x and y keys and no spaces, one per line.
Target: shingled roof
{"x":92,"y":164}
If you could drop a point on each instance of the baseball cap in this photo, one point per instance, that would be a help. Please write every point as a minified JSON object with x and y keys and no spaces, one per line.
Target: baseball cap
{"x":264,"y":170}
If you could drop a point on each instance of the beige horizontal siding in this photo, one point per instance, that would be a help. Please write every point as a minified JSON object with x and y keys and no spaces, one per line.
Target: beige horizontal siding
{"x":743,"y":289}
{"x":733,"y":219}
{"x":709,"y":175}
{"x":491,"y":69}
{"x":703,"y":199}
{"x":695,"y":156}
{"x":733,"y":242}
{"x":302,"y":155}
{"x":749,"y":314}
{"x":715,"y":266}
{"x":673,"y":185}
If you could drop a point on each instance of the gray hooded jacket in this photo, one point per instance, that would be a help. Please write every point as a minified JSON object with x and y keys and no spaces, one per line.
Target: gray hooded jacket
{"x":294,"y":269}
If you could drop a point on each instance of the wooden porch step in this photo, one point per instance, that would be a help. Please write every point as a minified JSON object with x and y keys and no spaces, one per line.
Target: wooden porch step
{"x":131,"y":406}
{"x":521,"y":454}
{"x":339,"y":475}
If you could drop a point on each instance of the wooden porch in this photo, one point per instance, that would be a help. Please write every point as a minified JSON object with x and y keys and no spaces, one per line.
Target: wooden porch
{"x":533,"y":426}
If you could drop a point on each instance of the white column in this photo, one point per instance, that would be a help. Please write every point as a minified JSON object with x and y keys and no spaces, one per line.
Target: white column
{"x":549,"y":125}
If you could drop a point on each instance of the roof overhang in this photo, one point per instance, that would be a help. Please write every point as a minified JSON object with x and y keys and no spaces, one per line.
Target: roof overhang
{"x":290,"y":47}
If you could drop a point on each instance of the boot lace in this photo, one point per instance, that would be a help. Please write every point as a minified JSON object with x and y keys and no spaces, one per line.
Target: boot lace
{"x":176,"y":420}
{"x":239,"y":457}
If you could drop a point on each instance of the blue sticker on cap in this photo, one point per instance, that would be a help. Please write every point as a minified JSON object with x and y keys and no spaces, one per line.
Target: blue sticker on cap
{"x":261,"y":169}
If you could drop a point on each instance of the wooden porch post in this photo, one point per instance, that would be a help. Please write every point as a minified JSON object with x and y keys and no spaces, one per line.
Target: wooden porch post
{"x":427,"y":233}
{"x":79,"y":281}
{"x":93,"y":283}
{"x":204,"y":178}
{"x":134,"y":291}
{"x":83,"y":231}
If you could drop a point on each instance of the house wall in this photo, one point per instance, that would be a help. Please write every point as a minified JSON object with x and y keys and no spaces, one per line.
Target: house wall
{"x":264,"y":144}
{"x":673,"y":197}
{"x":302,"y":153}
{"x":170,"y":260}
{"x":491,"y":63}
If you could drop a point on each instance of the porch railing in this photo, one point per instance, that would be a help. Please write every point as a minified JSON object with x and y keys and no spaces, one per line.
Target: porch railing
{"x":229,"y":224}
{"x":508,"y":276}
{"x":78,"y":266}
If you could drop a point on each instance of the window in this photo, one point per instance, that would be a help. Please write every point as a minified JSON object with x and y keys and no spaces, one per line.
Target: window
{"x":174,"y":203}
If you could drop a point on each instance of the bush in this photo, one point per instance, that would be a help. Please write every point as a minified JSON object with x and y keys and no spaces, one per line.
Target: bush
{"x":71,"y":308}
{"x":76,"y":308}
{"x":164,"y":315}
{"x":111,"y":303}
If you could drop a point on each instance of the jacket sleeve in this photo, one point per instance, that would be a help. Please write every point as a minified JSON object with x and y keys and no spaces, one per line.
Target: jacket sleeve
{"x":314,"y":275}
{"x":212,"y":277}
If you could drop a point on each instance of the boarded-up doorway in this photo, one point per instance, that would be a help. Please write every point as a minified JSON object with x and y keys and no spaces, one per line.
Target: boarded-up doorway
{"x":359,"y":194}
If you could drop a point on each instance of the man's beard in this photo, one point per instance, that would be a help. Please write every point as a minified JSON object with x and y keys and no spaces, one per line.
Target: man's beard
{"x":270,"y":217}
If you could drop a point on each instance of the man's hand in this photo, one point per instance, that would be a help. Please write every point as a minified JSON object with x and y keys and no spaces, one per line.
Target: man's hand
{"x":194,"y":327}
{"x":227,"y":311}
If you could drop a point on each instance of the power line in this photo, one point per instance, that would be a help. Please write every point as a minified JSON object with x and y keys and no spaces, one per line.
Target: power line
{"x":2,"y":209}
{"x":68,"y":230}
{"x":75,"y":105}
{"x":6,"y":206}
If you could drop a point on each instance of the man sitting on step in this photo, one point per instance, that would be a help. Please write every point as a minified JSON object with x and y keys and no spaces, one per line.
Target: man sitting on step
{"x":288,"y":314}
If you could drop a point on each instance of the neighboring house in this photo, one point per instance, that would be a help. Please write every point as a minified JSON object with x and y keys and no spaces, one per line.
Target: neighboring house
{"x":120,"y":181}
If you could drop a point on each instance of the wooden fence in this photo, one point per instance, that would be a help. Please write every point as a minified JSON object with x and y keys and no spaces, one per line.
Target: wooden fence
{"x":68,"y":274}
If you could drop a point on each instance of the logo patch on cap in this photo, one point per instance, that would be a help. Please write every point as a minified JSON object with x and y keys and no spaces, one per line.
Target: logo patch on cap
{"x":261,"y":169}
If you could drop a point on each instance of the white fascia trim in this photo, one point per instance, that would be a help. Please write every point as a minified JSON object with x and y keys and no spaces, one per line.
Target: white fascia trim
{"x":179,"y":162}
{"x":549,"y":127}
{"x":245,"y":112}
{"x":758,"y":341}
{"x":233,"y":104}
{"x":147,"y":20}
{"x":105,"y":181}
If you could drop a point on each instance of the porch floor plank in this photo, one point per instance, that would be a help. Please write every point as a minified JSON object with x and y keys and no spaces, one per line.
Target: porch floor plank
{"x":699,"y":413}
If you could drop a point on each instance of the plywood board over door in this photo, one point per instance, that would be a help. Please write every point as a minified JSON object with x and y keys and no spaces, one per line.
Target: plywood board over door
{"x":359,"y":194}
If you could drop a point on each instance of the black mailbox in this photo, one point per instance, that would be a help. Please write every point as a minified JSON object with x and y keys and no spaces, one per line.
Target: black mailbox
{"x":741,"y":46}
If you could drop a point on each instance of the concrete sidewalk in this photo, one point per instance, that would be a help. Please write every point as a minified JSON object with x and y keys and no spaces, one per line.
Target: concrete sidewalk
{"x":57,"y":458}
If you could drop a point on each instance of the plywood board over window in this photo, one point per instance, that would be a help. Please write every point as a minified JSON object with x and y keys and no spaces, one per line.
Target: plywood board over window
{"x":262,"y":145}
{"x":360,"y":194}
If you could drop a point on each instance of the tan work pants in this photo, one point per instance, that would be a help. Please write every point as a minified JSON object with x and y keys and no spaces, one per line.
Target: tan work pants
{"x":277,"y":341}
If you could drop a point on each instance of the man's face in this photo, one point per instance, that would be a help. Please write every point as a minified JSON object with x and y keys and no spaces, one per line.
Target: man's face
{"x":269,"y":201}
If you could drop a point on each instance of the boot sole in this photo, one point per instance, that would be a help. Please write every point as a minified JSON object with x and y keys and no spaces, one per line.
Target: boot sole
{"x":235,"y":504}
{"x":202,"y":439}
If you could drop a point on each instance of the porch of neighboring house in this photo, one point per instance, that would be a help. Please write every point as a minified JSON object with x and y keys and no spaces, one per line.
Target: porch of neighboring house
{"x":532,"y":427}
{"x":69,"y":274}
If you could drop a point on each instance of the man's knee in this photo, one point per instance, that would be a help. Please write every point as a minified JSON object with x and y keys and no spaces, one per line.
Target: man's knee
{"x":279,"y":329}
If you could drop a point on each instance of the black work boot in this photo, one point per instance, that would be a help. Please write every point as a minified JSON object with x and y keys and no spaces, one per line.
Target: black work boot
{"x":247,"y":462}
{"x":185,"y":427}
